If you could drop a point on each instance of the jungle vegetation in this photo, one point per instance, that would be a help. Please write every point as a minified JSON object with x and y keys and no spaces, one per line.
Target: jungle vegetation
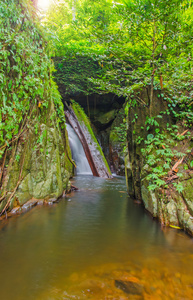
{"x":98,"y":47}
{"x":125,"y":45}
{"x":121,"y":47}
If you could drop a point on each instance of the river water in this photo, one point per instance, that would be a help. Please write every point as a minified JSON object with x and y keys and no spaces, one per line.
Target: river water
{"x":80,"y":247}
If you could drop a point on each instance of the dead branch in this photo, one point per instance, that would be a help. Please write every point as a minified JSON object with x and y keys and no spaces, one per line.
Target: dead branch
{"x":74,"y":188}
{"x":177,"y":163}
{"x":169,"y":179}
{"x":181,"y":134}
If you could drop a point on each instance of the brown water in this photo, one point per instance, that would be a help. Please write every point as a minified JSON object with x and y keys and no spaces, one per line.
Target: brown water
{"x":78,"y":248}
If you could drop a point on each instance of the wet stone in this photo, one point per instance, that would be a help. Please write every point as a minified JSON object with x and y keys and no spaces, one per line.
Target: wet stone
{"x":129,"y":287}
{"x":15,"y":210}
{"x":29,"y":204}
{"x":40,"y":202}
{"x":51,"y":201}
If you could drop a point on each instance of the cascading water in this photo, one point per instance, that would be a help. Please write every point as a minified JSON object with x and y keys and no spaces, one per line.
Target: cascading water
{"x":78,"y":154}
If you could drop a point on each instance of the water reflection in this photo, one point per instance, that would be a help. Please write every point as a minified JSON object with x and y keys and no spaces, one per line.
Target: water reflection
{"x":66,"y":250}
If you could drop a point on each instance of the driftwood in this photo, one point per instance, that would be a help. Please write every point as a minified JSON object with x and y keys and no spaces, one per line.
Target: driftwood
{"x":74,"y":188}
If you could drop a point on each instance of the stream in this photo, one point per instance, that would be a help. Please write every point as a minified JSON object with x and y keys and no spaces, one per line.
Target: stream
{"x":95,"y":244}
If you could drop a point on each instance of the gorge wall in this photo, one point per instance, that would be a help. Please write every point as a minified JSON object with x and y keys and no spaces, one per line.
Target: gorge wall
{"x":159,"y":160}
{"x":159,"y":171}
{"x":105,"y":110}
{"x":35,"y":158}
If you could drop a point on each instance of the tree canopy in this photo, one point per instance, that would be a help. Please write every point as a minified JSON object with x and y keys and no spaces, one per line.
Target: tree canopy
{"x":136,"y":43}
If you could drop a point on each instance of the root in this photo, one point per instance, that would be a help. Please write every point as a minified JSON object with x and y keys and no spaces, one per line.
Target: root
{"x":13,"y":193}
{"x":3,"y":165}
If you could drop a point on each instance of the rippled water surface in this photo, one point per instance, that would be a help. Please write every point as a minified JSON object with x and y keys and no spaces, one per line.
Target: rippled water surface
{"x":80,"y":247}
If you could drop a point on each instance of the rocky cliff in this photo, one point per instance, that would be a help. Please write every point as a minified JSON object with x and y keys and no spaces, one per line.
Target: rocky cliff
{"x":159,"y":165}
{"x":35,"y":160}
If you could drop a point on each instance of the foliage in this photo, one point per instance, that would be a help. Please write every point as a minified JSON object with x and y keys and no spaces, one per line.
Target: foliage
{"x":159,"y":151}
{"x":82,"y":42}
{"x":59,"y":106}
{"x":121,"y":133}
{"x":73,"y":73}
{"x":25,"y":73}
{"x":137,"y":44}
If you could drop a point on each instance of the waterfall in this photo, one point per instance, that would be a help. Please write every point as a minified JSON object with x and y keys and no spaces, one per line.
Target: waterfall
{"x":78,"y":154}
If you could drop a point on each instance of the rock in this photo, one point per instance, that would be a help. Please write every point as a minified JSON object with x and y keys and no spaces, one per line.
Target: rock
{"x":129,"y":287}
{"x":45,"y":173}
{"x":106,"y":118}
{"x":29,"y":204}
{"x":116,"y":145}
{"x":170,"y":205}
{"x":187,"y":194}
{"x":149,"y":199}
{"x":81,"y":125}
{"x":15,"y":210}
{"x":40,"y":202}
{"x":52,"y":200}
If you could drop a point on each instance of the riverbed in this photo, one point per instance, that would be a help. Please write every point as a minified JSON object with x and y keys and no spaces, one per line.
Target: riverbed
{"x":96,"y":243}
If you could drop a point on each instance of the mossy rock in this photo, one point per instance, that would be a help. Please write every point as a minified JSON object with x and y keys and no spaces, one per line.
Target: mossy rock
{"x":149,"y":199}
{"x":106,"y":118}
{"x":188,"y":194}
{"x":46,"y":168}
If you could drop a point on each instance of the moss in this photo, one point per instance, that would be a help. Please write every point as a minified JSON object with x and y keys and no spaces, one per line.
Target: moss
{"x":114,"y":139}
{"x":107,"y":117}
